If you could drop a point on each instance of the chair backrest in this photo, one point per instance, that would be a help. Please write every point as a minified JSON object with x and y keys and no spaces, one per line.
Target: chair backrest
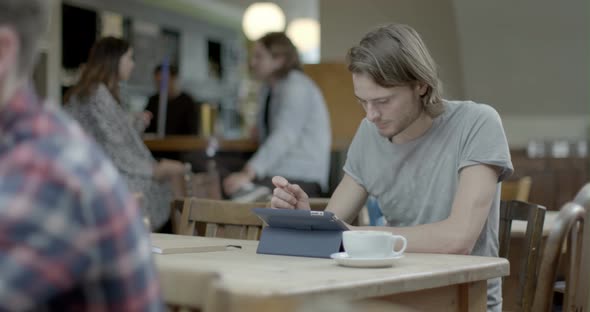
{"x":518,"y":190}
{"x":583,"y":299}
{"x":583,"y":196}
{"x":534,"y":215}
{"x":568,"y":226}
{"x":222,"y":218}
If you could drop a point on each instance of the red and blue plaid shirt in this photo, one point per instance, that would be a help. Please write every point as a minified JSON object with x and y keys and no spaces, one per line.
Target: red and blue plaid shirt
{"x":71,"y":237}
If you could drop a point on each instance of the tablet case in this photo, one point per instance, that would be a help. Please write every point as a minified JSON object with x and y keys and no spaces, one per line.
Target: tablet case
{"x":300,"y":232}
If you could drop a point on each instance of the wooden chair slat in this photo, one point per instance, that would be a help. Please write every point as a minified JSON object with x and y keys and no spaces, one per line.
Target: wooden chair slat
{"x":535,"y":216}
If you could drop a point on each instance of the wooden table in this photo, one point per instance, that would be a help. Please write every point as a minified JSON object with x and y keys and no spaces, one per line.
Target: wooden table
{"x":427,"y":282}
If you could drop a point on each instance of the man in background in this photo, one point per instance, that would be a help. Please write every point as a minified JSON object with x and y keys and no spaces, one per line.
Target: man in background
{"x":71,"y":237}
{"x":182,"y":114}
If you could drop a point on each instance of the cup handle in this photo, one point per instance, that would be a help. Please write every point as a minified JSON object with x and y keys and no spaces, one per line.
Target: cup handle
{"x":404,"y":245}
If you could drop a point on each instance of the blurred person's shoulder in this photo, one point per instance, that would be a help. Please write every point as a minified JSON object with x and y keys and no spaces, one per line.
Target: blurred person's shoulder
{"x":300,"y":84}
{"x":45,"y":145}
{"x":296,"y":76}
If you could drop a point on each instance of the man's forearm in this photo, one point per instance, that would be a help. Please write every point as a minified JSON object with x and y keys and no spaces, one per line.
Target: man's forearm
{"x":439,"y":237}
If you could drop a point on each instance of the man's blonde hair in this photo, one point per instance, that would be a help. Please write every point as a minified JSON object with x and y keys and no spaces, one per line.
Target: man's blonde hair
{"x":395,"y":55}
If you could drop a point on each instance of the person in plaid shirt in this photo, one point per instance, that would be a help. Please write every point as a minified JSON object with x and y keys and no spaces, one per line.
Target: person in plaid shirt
{"x":71,"y":237}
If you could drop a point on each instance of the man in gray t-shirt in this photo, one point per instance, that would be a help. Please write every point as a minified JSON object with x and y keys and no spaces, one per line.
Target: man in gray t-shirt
{"x":435,"y":166}
{"x":416,"y":182}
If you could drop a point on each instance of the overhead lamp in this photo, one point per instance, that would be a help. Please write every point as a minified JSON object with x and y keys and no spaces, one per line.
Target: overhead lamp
{"x":261,"y":18}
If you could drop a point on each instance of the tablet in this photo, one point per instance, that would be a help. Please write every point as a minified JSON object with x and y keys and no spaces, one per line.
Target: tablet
{"x":300,"y":219}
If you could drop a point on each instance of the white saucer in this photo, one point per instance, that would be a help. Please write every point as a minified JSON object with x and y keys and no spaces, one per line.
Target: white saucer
{"x":343,"y":259}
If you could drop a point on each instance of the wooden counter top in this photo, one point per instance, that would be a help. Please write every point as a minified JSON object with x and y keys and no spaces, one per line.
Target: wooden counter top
{"x":193,"y":143}
{"x":187,"y":143}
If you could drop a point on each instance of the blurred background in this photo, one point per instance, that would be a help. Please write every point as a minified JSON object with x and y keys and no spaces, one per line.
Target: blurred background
{"x":529,"y":59}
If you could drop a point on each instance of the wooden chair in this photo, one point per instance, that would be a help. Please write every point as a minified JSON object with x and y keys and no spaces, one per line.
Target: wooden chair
{"x":567,"y":229}
{"x":222,"y":218}
{"x":583,"y":199}
{"x":583,"y":196}
{"x":583,"y":287}
{"x":517,"y":190}
{"x":535,"y":216}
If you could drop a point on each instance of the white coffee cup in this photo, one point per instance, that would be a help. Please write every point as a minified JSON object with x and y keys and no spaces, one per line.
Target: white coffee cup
{"x":372,"y":244}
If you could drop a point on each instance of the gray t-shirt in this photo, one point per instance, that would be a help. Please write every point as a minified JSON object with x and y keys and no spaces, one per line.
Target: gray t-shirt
{"x":415,"y":182}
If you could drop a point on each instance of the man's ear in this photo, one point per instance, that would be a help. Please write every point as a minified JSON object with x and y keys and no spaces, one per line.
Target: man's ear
{"x":422,"y":88}
{"x":9,"y":46}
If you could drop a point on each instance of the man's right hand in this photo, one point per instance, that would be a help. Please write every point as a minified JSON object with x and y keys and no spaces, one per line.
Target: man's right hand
{"x":288,"y":196}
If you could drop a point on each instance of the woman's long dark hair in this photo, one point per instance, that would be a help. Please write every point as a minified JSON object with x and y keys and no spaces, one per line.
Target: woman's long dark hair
{"x":102,"y":67}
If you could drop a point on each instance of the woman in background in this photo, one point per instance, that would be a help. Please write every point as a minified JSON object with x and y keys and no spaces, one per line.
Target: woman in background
{"x":94,"y":101}
{"x":293,"y":124}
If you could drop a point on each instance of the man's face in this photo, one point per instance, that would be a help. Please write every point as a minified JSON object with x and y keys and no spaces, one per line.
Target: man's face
{"x":392,"y":110}
{"x":262,"y":64}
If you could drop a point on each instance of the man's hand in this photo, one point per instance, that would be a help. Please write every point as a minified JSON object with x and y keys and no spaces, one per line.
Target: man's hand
{"x":235,"y":181}
{"x":288,"y":196}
